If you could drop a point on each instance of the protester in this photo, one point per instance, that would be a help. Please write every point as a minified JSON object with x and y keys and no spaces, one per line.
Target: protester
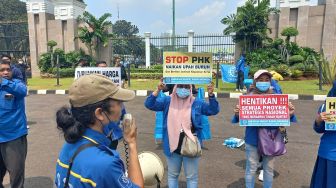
{"x":95,"y":103}
{"x":261,"y":86}
{"x":13,"y":126}
{"x":182,"y":119}
{"x":101,"y":64}
{"x":240,"y":67}
{"x":124,"y":77}
{"x":325,"y":166}
{"x":23,"y":68}
{"x":82,"y":63}
{"x":15,"y":71}
{"x":170,"y":87}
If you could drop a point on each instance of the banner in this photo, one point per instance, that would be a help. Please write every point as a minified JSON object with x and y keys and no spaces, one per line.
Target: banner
{"x":113,"y":73}
{"x":187,"y":68}
{"x":229,"y":73}
{"x":264,"y":110}
{"x":330,"y":124}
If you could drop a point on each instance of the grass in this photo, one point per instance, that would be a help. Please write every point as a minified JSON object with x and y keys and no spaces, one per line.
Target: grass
{"x":307,"y":87}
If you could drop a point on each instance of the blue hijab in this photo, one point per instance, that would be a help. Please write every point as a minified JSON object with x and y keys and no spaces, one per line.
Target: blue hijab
{"x":332,"y":92}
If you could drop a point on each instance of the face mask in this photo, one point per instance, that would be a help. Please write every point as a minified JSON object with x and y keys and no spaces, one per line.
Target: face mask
{"x":109,"y":129}
{"x":263,"y":86}
{"x":183,"y":92}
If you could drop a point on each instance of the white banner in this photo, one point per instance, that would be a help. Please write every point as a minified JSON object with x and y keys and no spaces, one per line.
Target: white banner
{"x":114,"y":73}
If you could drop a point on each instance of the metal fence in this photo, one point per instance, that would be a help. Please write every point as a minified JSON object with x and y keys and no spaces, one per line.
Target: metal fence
{"x":132,"y":49}
{"x":221,"y":46}
{"x":14,"y":39}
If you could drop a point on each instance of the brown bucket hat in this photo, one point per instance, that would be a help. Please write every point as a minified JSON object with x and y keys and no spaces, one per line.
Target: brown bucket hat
{"x":90,"y":89}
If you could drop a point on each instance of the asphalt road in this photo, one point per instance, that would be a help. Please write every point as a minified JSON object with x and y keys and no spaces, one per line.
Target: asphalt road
{"x":219,"y":166}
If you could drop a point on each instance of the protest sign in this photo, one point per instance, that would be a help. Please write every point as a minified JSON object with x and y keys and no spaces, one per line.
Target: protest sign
{"x":229,"y":73}
{"x":113,"y":73}
{"x":264,"y":110}
{"x":330,"y":124}
{"x":187,"y":68}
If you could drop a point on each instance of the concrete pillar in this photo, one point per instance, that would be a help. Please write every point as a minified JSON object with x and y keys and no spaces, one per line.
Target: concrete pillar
{"x":147,"y":40}
{"x":33,"y":45}
{"x":302,"y":25}
{"x":329,"y":31}
{"x":284,"y":19}
{"x":190,"y":40}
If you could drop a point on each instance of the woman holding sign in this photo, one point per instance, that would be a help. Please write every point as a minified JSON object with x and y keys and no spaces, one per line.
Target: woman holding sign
{"x":255,"y":139}
{"x":182,"y":129}
{"x":325,"y":166}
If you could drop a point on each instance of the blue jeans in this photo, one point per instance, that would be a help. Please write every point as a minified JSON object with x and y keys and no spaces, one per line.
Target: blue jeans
{"x":252,"y":162}
{"x":190,"y":166}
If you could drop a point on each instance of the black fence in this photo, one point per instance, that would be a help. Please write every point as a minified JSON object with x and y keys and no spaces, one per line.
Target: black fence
{"x":221,"y":46}
{"x":132,"y":49}
{"x":14,"y":39}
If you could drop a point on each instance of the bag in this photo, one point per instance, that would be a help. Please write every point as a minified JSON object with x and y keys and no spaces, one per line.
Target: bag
{"x":189,"y":148}
{"x":270,"y":142}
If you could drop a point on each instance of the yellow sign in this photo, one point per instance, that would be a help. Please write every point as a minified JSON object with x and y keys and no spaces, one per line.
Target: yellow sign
{"x":331,"y":109}
{"x":187,"y":68}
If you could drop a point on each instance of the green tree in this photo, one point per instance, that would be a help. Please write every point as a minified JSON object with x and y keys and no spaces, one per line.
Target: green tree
{"x":95,"y":32}
{"x":289,"y":32}
{"x":13,"y":10}
{"x":250,"y":23}
{"x":123,"y":28}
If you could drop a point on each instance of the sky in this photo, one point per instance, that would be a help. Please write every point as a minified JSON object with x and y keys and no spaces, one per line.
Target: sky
{"x":155,"y":16}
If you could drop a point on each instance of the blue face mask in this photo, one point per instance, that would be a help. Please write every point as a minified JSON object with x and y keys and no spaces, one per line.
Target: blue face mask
{"x":183,"y":92}
{"x":263,"y":86}
{"x":112,"y":129}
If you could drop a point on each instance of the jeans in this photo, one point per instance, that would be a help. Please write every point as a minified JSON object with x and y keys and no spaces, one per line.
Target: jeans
{"x":190,"y":170}
{"x":252,"y":156}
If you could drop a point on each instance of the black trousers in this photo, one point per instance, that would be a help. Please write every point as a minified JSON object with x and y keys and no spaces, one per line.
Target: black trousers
{"x":240,"y":80}
{"x":12,"y":159}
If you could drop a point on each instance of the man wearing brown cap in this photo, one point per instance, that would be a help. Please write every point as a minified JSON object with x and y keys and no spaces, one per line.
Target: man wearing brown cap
{"x":86,"y":159}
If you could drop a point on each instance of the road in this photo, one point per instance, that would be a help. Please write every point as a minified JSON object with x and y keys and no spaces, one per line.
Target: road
{"x":219,"y":166}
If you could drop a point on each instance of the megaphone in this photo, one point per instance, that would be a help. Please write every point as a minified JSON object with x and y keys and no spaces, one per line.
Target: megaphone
{"x":152,"y":168}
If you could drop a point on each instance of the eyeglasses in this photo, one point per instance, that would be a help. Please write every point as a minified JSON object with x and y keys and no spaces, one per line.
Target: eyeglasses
{"x":5,"y":69}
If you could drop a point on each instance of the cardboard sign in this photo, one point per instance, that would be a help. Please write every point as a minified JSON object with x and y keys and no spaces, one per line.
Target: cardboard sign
{"x":114,"y":73}
{"x":264,"y":110}
{"x":187,"y":68}
{"x":330,"y":124}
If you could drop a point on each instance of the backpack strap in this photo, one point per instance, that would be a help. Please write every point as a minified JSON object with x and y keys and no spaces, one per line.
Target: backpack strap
{"x":80,"y":149}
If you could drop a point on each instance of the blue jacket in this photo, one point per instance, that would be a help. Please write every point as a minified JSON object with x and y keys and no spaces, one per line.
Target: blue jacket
{"x":327,"y":149}
{"x":251,"y":133}
{"x":13,"y":123}
{"x":199,"y":108}
{"x":93,"y":167}
{"x":17,"y":74}
{"x":240,"y":65}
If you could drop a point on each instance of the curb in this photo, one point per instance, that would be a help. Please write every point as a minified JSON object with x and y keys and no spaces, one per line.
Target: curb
{"x":145,"y":93}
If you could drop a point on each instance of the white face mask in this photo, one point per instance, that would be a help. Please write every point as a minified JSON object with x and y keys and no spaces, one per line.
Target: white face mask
{"x":20,"y":62}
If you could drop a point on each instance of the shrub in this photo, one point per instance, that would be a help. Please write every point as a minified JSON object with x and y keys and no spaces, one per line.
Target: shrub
{"x":283,"y":70}
{"x":146,"y":75}
{"x":297,"y":74}
{"x":64,"y":73}
{"x":299,"y":66}
{"x":296,"y":59}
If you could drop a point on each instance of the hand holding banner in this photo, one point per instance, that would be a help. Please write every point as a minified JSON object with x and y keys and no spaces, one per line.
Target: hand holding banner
{"x":264,"y":110}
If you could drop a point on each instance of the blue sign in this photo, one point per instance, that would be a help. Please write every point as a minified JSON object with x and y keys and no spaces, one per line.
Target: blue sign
{"x":229,"y":73}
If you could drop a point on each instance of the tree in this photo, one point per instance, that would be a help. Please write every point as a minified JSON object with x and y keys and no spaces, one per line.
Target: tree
{"x":95,"y":32}
{"x":127,"y":42}
{"x":250,"y":23}
{"x":289,"y":32}
{"x":13,"y":10}
{"x":123,"y":28}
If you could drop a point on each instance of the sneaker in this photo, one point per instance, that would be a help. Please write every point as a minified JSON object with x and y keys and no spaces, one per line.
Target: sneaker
{"x":237,"y":89}
{"x":261,"y":175}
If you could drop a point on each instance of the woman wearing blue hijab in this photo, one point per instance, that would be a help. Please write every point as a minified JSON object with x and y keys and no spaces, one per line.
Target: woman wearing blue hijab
{"x":325,"y":166}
